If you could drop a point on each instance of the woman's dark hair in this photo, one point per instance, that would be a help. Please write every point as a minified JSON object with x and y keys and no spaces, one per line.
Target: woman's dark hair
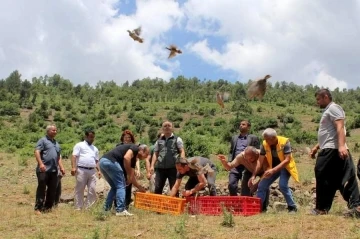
{"x":125,"y":132}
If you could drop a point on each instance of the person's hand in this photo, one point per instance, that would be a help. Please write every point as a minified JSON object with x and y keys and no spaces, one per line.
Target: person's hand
{"x":186,"y":193}
{"x":250,"y":182}
{"x":128,"y":180}
{"x":343,"y":152}
{"x":73,"y":171}
{"x":221,"y":157}
{"x":254,"y":186}
{"x":42,"y":168}
{"x":268,"y":173}
{"x":148,"y":175}
{"x":142,"y":189}
{"x":137,"y":173}
{"x":313,"y":152}
{"x":151,"y":170}
{"x":62,"y":170}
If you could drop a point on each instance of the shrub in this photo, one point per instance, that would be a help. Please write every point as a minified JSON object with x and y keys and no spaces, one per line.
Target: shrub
{"x":219,"y":122}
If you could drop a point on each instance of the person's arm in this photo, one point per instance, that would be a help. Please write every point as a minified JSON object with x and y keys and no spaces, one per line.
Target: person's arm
{"x":340,"y":130}
{"x":198,"y":187}
{"x":231,"y":150}
{"x":127,"y":164}
{"x":137,"y":168}
{"x":282,"y":164}
{"x":148,"y":166}
{"x":229,"y":165}
{"x":62,"y":169}
{"x":136,"y":184}
{"x":97,"y":163}
{"x":314,"y":150}
{"x":42,"y":166}
{"x":175,"y":188}
{"x":180,"y":146}
{"x":154,"y":159}
{"x":260,"y":162}
{"x":73,"y":164}
{"x":74,"y":158}
{"x":337,"y":115}
{"x":259,"y":165}
{"x":39,"y":147}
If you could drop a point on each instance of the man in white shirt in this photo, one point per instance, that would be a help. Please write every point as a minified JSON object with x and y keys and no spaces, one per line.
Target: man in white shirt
{"x":84,"y":161}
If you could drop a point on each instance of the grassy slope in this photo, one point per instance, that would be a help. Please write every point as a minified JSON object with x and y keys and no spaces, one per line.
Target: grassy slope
{"x":18,"y":185}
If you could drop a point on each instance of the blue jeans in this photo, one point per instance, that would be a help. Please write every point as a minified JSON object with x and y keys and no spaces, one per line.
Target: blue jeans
{"x":265,"y":184}
{"x":114,"y":175}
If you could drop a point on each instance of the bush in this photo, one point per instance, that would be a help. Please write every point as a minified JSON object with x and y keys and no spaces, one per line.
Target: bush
{"x":316,"y":119}
{"x":9,"y":109}
{"x":174,"y":116}
{"x":241,"y":106}
{"x":193,"y":122}
{"x":195,"y":145}
{"x":281,"y":104}
{"x":219,"y":122}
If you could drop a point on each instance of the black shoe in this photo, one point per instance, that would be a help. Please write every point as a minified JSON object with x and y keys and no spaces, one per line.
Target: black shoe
{"x":354,"y":212}
{"x":292,"y":209}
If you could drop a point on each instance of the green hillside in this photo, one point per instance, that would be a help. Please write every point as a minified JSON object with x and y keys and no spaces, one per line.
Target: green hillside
{"x":27,"y":106}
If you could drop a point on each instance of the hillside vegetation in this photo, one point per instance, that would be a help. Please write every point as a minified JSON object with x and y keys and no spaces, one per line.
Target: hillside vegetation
{"x":28,"y":106}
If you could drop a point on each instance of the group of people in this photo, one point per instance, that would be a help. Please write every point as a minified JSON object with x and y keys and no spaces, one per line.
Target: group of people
{"x":257,"y":164}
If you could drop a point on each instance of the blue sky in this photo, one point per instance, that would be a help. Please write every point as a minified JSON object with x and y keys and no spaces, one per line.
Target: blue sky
{"x":190,"y":64}
{"x":234,"y":40}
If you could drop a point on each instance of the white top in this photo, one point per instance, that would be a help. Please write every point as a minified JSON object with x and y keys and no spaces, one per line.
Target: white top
{"x":87,"y":155}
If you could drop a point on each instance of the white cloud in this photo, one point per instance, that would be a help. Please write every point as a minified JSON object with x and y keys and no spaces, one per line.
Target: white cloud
{"x":281,"y":38}
{"x":84,"y":41}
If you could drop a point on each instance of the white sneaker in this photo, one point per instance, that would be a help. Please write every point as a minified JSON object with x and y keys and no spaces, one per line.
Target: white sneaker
{"x":124,"y":213}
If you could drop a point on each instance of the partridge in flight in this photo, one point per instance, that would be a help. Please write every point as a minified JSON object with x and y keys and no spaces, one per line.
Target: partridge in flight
{"x":173,"y":51}
{"x":135,"y":34}
{"x":258,"y":88}
{"x":220,"y":100}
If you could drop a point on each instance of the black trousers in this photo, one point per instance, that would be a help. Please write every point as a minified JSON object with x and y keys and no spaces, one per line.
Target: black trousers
{"x":358,"y":169}
{"x":128,"y":192}
{"x":193,"y":181}
{"x":46,"y":190}
{"x":58,"y":191}
{"x":234,"y":176}
{"x":160,"y":178}
{"x":333,"y":173}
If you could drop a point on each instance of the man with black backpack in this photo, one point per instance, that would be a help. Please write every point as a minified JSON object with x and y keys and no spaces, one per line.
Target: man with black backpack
{"x":167,"y":149}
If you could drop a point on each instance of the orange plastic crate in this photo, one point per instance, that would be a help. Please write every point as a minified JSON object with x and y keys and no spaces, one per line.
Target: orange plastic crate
{"x":159,"y":203}
{"x":212,"y":205}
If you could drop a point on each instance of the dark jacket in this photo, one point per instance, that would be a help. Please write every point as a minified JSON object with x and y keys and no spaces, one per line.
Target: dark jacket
{"x":252,"y":140}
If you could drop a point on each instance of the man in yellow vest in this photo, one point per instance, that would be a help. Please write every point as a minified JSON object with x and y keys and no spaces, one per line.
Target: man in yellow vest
{"x":277,"y":151}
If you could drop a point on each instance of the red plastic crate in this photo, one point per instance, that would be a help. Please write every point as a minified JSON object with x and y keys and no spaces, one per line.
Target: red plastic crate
{"x":211,"y":205}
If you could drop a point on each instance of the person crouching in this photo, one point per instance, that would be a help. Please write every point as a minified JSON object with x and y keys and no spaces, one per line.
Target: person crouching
{"x":201,"y":172}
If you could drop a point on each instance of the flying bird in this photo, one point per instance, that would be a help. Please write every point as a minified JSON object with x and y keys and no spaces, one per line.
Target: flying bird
{"x":135,"y":34}
{"x":173,"y":51}
{"x":258,"y":88}
{"x":220,"y":100}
